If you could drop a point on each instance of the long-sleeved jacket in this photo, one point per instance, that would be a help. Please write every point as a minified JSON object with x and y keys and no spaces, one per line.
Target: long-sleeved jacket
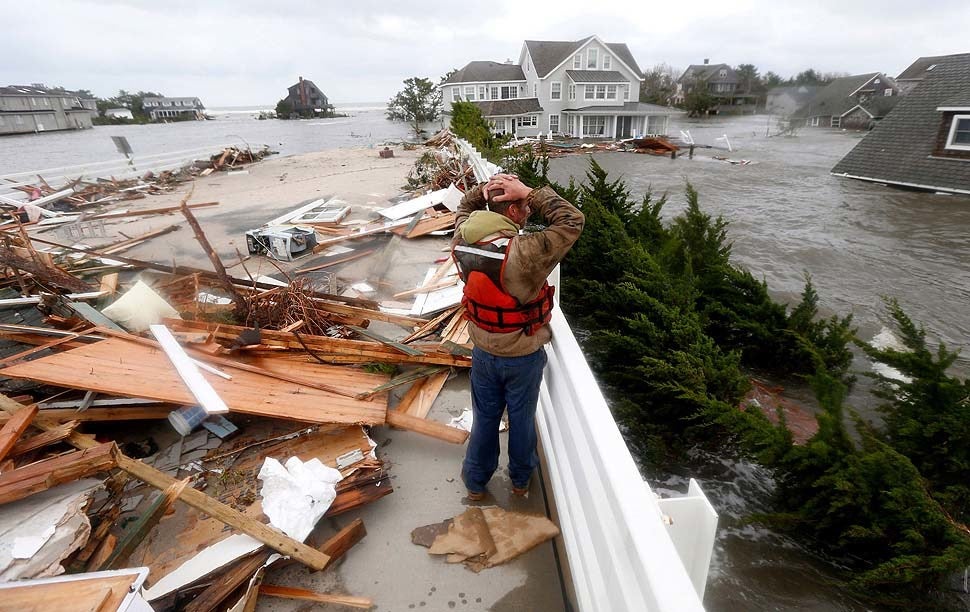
{"x":531,"y":258}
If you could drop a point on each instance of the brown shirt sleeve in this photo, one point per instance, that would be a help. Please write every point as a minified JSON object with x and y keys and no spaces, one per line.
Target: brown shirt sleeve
{"x":532,"y":257}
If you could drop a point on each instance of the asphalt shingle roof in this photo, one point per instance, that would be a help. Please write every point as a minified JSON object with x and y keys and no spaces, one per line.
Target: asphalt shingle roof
{"x":710,"y":73}
{"x":917,"y":70}
{"x":961,"y":99}
{"x":900,"y":148}
{"x":482,"y":71}
{"x":833,"y":99}
{"x":30,"y":90}
{"x":547,"y":54}
{"x":518,"y":106}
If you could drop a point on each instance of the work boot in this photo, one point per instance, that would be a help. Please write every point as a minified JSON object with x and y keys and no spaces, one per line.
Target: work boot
{"x":520,"y":491}
{"x":476,"y":496}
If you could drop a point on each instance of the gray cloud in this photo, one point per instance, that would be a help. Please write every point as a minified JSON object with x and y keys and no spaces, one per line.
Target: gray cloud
{"x":249,"y":51}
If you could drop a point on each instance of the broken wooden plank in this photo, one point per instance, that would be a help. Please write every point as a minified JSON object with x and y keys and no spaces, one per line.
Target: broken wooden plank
{"x":220,"y":270}
{"x":229,"y":581}
{"x":43,"y":475}
{"x":407,"y":350}
{"x":43,"y":439}
{"x":14,"y":428}
{"x":429,"y":327}
{"x":115,"y":413}
{"x":422,"y":394}
{"x":335,"y":262}
{"x":276,"y":540}
{"x":104,"y":551}
{"x":362,"y":603}
{"x":425,"y":427}
{"x":119,"y":367}
{"x":200,"y":388}
{"x":48,"y":274}
{"x":145,"y":523}
{"x":402,"y":379}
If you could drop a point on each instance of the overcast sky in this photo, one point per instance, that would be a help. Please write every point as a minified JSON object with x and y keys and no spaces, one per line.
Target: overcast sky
{"x":246,"y":52}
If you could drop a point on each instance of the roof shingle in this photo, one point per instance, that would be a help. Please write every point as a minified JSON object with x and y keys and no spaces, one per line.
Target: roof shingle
{"x":596,"y":76}
{"x":482,"y":71}
{"x":504,"y":108}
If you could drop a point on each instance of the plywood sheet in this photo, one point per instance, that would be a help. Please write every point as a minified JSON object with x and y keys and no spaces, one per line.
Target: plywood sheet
{"x":105,"y":593}
{"x":118,"y":367}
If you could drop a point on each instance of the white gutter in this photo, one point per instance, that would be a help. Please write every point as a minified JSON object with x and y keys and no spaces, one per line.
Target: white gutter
{"x":903,"y":184}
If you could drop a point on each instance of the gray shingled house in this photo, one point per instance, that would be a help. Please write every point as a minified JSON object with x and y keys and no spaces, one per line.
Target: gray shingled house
{"x":925,"y":142}
{"x":719,"y":81}
{"x":305,"y":99}
{"x":585,"y":88}
{"x":854,"y":102}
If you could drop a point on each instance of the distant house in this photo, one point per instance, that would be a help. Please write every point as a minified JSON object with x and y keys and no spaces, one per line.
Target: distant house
{"x":35,"y":108}
{"x":174,"y":108}
{"x":719,"y":81}
{"x":305,"y":98}
{"x":916,"y":72}
{"x":925,"y":142}
{"x":786,"y":100}
{"x":585,"y":88}
{"x":854,"y":102}
{"x":118,"y":113}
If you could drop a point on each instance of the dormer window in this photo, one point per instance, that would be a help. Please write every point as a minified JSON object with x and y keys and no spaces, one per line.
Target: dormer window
{"x":607,"y":62}
{"x":887,"y":92}
{"x":592,"y":58}
{"x":959,"y":137}
{"x":577,"y":62}
{"x":723,"y":73}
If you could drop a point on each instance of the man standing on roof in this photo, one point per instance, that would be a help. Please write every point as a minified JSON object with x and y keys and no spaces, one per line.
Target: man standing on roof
{"x":509,"y":304}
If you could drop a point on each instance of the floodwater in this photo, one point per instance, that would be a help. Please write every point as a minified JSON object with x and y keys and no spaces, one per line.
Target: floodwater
{"x":788,"y":216}
{"x":859,"y":241}
{"x":365,"y":125}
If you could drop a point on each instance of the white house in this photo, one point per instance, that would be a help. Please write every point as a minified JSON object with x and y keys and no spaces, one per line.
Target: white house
{"x":585,"y":88}
{"x":172,"y":108}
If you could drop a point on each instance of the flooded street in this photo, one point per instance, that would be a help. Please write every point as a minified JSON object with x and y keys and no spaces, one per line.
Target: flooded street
{"x":859,"y":241}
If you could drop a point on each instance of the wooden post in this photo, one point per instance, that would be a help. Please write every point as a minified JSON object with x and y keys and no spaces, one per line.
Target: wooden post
{"x":220,"y":270}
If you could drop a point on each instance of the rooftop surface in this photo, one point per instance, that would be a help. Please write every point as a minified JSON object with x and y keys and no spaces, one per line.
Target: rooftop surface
{"x":385,"y":565}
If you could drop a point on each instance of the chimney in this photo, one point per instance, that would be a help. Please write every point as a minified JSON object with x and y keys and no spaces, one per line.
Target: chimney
{"x":706,"y":62}
{"x":508,"y":62}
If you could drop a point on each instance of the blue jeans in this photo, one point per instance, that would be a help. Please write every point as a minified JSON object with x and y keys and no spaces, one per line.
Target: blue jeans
{"x":497,"y":383}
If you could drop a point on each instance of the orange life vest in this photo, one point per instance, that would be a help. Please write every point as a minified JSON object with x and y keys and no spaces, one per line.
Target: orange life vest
{"x":487,"y":304}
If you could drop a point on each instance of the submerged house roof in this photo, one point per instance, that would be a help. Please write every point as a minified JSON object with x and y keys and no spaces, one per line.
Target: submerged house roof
{"x":903,"y":148}
{"x":836,"y":98}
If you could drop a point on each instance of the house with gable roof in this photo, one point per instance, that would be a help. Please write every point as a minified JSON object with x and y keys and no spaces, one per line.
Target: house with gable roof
{"x":585,"y":88}
{"x":854,"y":102}
{"x":925,"y":142}
{"x":719,"y":81}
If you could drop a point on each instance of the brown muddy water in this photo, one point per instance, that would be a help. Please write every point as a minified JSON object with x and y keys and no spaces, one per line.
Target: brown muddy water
{"x":859,"y":241}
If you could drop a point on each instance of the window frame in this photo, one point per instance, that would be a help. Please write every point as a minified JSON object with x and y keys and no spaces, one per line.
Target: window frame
{"x":456,"y":94}
{"x":954,"y":146}
{"x":511,"y":90}
{"x":520,"y":122}
{"x":592,"y":58}
{"x":470,"y":93}
{"x":482,"y":91}
{"x":586,"y":126}
{"x":554,"y":130}
{"x":572,"y":91}
{"x":553,"y":93}
{"x":493,"y":92}
{"x":577,"y":61}
{"x":611,"y":88}
{"x":607,"y":61}
{"x":600,"y":89}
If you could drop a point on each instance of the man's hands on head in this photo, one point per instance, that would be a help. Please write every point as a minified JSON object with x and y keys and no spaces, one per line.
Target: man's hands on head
{"x":510,"y":184}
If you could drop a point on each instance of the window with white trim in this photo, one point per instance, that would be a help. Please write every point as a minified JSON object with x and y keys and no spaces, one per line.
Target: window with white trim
{"x":510,"y":92}
{"x":572,"y":92}
{"x":577,"y":62}
{"x":592,"y":58}
{"x":470,"y":93}
{"x":594,"y":125}
{"x":493,"y":92}
{"x":607,"y":62}
{"x":887,"y":92}
{"x":959,"y":137}
{"x":456,"y":94}
{"x":611,"y":92}
{"x":535,"y":90}
{"x":723,"y":73}
{"x":528,"y":121}
{"x":836,"y":122}
{"x":814,"y":121}
{"x":555,"y":91}
{"x":553,"y":124}
{"x":481,"y":92}
{"x":601,"y":92}
{"x":626,"y":93}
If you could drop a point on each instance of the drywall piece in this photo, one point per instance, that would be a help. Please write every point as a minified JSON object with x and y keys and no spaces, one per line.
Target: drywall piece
{"x":208,"y":560}
{"x":37,"y":532}
{"x":187,"y":370}
{"x":296,"y":495}
{"x":139,"y":308}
